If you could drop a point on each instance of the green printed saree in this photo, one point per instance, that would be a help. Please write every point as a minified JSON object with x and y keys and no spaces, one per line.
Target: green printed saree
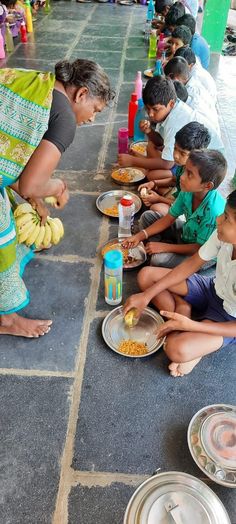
{"x":25,"y":102}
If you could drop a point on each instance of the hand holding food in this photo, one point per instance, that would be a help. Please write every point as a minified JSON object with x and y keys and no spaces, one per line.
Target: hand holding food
{"x":131,"y":242}
{"x":131,"y":318}
{"x":147,"y":185}
{"x":145,"y":126}
{"x":125,"y":160}
{"x":138,"y":302}
{"x":151,"y":197}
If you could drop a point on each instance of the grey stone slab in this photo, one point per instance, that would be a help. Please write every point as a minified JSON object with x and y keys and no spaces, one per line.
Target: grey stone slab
{"x":136,"y":41}
{"x":38,"y":65}
{"x":124,"y":97}
{"x":81,"y":234}
{"x":101,"y":505}
{"x":93,"y":181}
{"x":105,"y":30}
{"x":104,"y":59}
{"x":34,"y":413}
{"x":58,"y":292}
{"x":41,"y":51}
{"x":137,"y":53}
{"x":52,"y":25}
{"x":100,"y":43}
{"x":132,"y":66}
{"x":76,"y":14}
{"x":83,"y":152}
{"x":52,"y":37}
{"x":141,"y":414}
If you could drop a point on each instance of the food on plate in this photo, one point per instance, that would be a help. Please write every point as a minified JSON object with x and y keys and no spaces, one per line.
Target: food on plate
{"x":132,"y":348}
{"x":112,"y":211}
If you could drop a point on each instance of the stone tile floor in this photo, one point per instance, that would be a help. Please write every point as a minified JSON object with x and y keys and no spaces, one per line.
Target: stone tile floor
{"x":80,"y":426}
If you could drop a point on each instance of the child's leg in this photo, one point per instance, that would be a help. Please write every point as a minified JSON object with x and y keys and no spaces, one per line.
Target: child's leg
{"x":162,"y":209}
{"x":167,"y":300}
{"x":156,"y":174}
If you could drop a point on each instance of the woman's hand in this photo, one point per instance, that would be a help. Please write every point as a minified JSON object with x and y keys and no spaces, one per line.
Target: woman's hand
{"x":138,"y":301}
{"x":125,"y":160}
{"x":39,"y":205}
{"x":176,"y":322}
{"x":63,"y":199}
{"x":152,"y":248}
{"x":148,"y":185}
{"x":131,"y":242}
{"x":145,"y":126}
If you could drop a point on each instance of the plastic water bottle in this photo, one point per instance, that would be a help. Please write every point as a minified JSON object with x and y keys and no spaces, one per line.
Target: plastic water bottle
{"x":2,"y":51}
{"x":23,"y":34}
{"x":152,"y":44}
{"x":140,"y":115}
{"x":126,"y":211}
{"x":139,"y":85}
{"x":158,"y":71}
{"x":113,"y":272}
{"x":123,"y":140}
{"x":8,"y":39}
{"x":150,"y":10}
{"x":147,"y":30}
{"x":132,"y":110}
{"x":160,"y":46}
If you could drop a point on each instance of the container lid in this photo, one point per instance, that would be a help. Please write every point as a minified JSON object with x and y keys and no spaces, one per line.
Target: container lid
{"x":113,"y":259}
{"x":176,"y":498}
{"x":126,"y":200}
{"x":123,"y":132}
{"x":134,"y":97}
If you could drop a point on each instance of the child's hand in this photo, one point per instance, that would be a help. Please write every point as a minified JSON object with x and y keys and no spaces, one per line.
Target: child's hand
{"x":152,"y":248}
{"x":176,"y":322}
{"x":148,"y":185}
{"x":145,"y":126}
{"x":151,"y":198}
{"x":131,"y":242}
{"x":137,"y":301}
{"x":125,"y":160}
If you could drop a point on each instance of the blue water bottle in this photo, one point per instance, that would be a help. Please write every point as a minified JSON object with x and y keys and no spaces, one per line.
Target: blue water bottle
{"x":150,"y":11}
{"x":158,"y":71}
{"x":113,"y":272}
{"x":140,"y":115}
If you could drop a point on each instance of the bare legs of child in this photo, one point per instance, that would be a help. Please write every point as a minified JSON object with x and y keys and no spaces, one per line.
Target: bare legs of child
{"x":155,"y":152}
{"x":182,"y":348}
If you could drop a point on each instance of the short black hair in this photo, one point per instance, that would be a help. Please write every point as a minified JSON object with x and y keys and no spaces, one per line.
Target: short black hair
{"x":177,"y":67}
{"x":187,"y":53}
{"x":183,"y":33}
{"x":159,"y":90}
{"x":211,"y":164}
{"x":189,"y":21}
{"x":161,"y":4}
{"x":193,"y":136}
{"x":176,"y":11}
{"x":181,"y":91}
{"x":231,"y":200}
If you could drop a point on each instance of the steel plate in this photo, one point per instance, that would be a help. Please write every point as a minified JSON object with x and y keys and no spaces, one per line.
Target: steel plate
{"x":112,"y":198}
{"x":138,"y":253}
{"x":136,"y":175}
{"x":114,"y":331}
{"x":139,"y":147}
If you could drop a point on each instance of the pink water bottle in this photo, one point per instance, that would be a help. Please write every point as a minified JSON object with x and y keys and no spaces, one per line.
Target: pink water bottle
{"x":123,"y":140}
{"x":160,"y":46}
{"x":139,"y":85}
{"x":2,"y":50}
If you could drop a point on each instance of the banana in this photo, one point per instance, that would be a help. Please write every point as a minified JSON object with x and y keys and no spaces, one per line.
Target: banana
{"x":60,"y":225}
{"x":47,"y":236}
{"x":131,"y":318}
{"x":51,"y":200}
{"x":39,"y":240}
{"x":143,"y":192}
{"x":27,"y":230}
{"x":32,"y":237}
{"x":24,"y":208}
{"x":55,"y":231}
{"x":23,"y":219}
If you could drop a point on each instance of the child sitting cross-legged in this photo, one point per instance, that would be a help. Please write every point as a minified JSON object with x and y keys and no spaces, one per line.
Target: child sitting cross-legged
{"x":169,"y":114}
{"x":175,"y":292}
{"x":198,"y":201}
{"x":190,"y":137}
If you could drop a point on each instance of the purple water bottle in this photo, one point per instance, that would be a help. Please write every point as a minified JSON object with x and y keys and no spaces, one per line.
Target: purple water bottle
{"x":123,"y":140}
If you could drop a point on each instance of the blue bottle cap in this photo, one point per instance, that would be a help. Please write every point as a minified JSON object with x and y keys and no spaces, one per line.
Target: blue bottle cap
{"x":113,"y":259}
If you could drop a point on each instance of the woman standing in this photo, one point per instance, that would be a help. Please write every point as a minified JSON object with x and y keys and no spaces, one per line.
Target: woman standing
{"x":38,"y":117}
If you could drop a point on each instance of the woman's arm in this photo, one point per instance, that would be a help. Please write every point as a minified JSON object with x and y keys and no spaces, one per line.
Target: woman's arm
{"x":34,"y":181}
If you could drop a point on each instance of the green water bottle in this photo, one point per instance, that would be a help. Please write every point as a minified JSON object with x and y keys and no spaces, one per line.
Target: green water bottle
{"x":152,"y":44}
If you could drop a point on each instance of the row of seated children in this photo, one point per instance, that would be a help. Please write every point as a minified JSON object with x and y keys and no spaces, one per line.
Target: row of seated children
{"x":12,"y":12}
{"x":175,"y":19}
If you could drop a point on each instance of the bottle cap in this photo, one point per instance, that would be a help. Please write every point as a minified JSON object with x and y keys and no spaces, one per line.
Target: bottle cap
{"x":126,"y":200}
{"x":113,"y":259}
{"x":134,"y":97}
{"x":123,"y":132}
{"x":138,"y":74}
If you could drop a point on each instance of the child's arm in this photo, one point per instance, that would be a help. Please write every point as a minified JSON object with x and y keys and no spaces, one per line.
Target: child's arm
{"x":154,"y":198}
{"x":125,"y":160}
{"x":176,"y":276}
{"x":177,"y":322}
{"x":162,"y":247}
{"x":158,"y":226}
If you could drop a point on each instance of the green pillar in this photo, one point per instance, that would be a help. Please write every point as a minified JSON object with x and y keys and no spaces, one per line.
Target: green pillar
{"x":214,"y":23}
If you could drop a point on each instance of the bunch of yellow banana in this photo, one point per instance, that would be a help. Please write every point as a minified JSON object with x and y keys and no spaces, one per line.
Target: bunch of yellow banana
{"x":30,"y":231}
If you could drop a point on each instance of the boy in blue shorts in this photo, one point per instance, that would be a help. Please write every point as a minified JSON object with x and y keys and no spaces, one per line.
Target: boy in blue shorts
{"x":176,"y":292}
{"x":198,"y":201}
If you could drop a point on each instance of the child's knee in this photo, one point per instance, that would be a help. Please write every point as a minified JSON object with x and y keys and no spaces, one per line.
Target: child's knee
{"x":144,"y":278}
{"x":148,"y":218}
{"x":176,"y":348}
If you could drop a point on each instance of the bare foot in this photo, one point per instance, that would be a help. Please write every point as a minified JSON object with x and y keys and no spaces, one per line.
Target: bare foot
{"x":23,"y":327}
{"x":179,"y":370}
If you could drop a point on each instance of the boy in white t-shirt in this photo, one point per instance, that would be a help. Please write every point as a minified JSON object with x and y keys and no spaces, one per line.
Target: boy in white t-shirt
{"x":170,"y":115}
{"x":175,"y":292}
{"x":198,"y":72}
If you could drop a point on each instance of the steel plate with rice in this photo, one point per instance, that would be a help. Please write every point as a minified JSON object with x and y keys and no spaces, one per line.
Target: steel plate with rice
{"x":132,"y":258}
{"x":115,"y":332}
{"x":212,"y":442}
{"x":139,"y":147}
{"x":127,"y":176}
{"x":108,"y":202}
{"x":148,"y":73}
